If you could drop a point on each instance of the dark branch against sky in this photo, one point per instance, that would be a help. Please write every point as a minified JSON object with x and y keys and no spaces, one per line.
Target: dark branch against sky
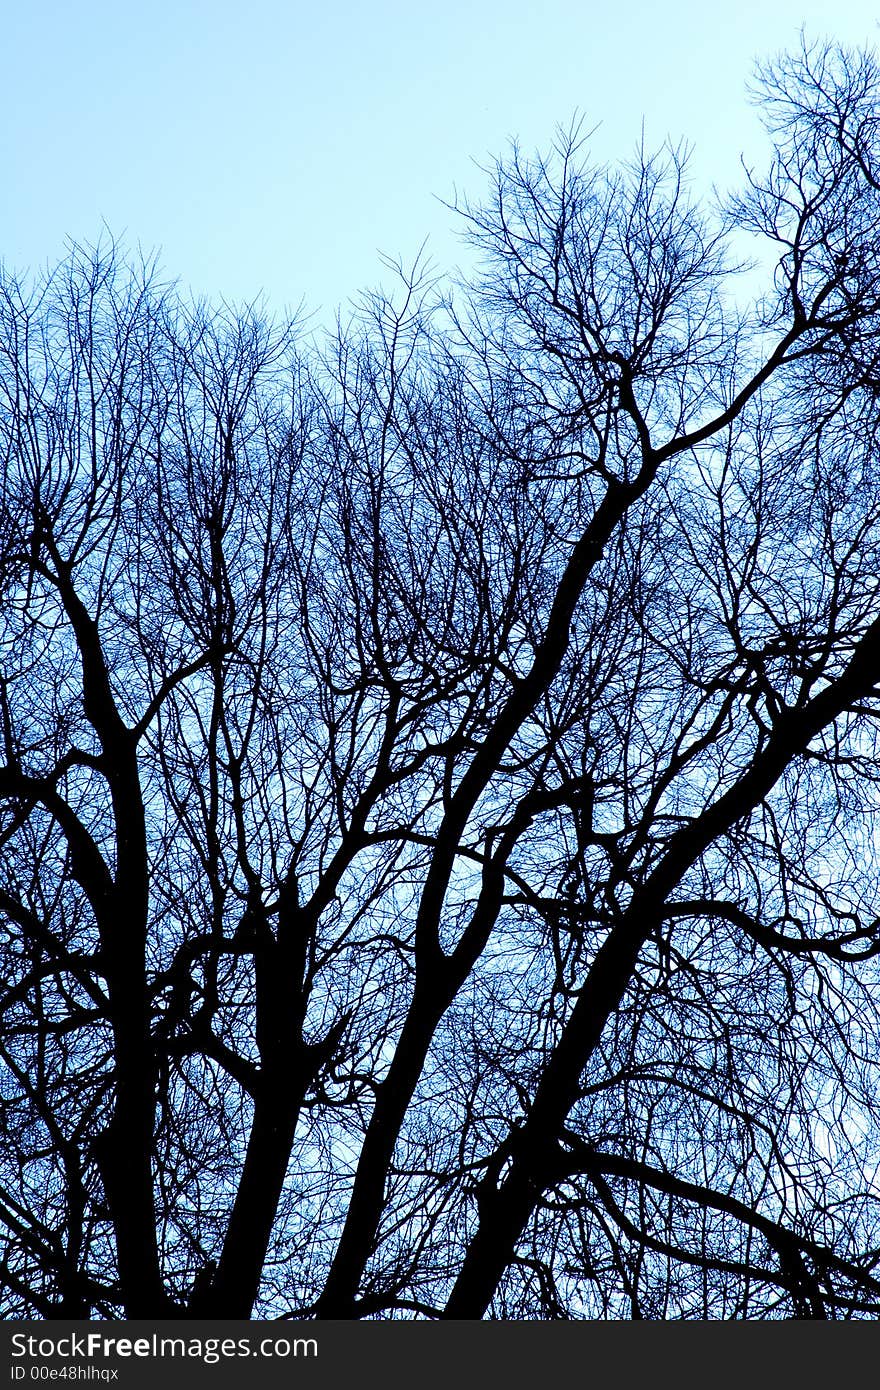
{"x":438,"y":758}
{"x":277,"y":147}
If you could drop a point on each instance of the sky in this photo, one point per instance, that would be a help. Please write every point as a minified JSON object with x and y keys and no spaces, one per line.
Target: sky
{"x":276,"y":149}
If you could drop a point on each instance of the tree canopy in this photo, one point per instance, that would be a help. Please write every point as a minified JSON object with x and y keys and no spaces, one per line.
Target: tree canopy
{"x":439,"y":764}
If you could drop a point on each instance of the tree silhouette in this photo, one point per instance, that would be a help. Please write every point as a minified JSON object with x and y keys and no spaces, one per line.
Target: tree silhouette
{"x":439,"y":767}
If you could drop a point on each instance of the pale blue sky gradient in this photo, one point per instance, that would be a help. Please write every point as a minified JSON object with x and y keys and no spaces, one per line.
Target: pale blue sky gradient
{"x":276,"y":147}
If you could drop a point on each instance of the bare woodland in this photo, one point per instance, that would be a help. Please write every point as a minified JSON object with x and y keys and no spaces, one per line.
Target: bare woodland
{"x":439,"y":764}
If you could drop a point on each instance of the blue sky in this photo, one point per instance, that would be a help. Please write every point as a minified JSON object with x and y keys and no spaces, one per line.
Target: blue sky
{"x":277,"y":148}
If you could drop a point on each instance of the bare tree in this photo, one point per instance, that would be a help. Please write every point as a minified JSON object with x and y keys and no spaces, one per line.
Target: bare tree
{"x":439,"y":766}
